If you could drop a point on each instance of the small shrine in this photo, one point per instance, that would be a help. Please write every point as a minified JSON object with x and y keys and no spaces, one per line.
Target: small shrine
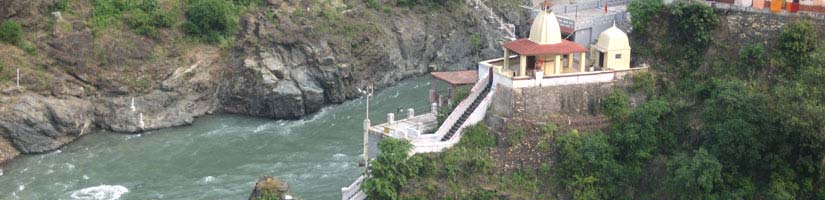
{"x":612,"y":50}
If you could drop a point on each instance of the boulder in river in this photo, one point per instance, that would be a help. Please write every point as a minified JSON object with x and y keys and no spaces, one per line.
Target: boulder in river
{"x":269,"y":187}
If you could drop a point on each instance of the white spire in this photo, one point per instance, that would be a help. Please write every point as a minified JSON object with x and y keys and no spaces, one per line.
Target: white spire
{"x":545,"y":29}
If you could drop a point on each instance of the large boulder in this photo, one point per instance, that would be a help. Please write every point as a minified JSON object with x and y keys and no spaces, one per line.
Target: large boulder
{"x":35,"y":124}
{"x":269,"y":187}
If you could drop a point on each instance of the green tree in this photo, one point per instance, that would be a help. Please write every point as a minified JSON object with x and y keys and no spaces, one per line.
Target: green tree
{"x":391,"y":169}
{"x":691,"y":26}
{"x":211,"y":20}
{"x":797,"y":41}
{"x":637,"y":139}
{"x":585,"y":165}
{"x":643,"y":11}
{"x":737,"y":120}
{"x":477,"y":137}
{"x":752,"y":58}
{"x":616,"y":106}
{"x":695,"y":177}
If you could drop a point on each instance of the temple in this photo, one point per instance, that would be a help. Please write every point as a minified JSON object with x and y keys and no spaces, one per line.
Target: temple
{"x":544,"y":52}
{"x":544,"y":58}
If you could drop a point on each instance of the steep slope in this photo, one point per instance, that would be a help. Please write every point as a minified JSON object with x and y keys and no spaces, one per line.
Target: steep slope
{"x":287,"y":60}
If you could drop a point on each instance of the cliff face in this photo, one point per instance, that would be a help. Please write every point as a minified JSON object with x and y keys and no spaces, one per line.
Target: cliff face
{"x":275,"y":73}
{"x":284,"y":63}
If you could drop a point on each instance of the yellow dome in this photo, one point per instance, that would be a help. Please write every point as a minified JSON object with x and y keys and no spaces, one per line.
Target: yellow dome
{"x":613,"y":39}
{"x":545,"y":29}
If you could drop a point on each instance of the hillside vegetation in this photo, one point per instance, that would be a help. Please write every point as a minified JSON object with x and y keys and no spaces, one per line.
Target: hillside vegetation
{"x":723,"y":121}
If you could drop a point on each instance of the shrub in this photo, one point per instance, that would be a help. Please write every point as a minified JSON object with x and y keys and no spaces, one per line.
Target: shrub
{"x":752,"y":58}
{"x":246,"y":2}
{"x":616,"y":106}
{"x":698,"y":176}
{"x":549,"y":128}
{"x":699,"y":20}
{"x":391,"y":169}
{"x":516,"y":136}
{"x":11,"y":32}
{"x":211,"y":20}
{"x":140,"y":21}
{"x":797,"y":41}
{"x":644,"y":82}
{"x":164,"y":19}
{"x":477,"y":136}
{"x":586,"y":166}
{"x":143,"y":16}
{"x":59,"y":6}
{"x":475,"y":40}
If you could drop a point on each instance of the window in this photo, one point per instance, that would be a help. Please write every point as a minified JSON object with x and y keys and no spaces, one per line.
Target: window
{"x":618,"y":56}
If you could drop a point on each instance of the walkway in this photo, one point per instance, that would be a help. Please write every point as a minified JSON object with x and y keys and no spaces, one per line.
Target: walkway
{"x":470,"y":111}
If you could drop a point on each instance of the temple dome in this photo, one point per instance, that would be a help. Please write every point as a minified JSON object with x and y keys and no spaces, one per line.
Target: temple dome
{"x":545,"y":29}
{"x":613,"y":39}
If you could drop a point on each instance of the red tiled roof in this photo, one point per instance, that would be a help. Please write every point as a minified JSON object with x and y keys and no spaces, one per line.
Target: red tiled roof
{"x":457,"y":77}
{"x":529,"y":48}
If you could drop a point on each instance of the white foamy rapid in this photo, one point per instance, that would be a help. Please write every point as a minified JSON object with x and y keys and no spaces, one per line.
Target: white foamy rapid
{"x":101,"y":192}
{"x":206,"y":180}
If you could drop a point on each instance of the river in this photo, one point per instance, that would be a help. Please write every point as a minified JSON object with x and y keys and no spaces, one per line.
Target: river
{"x":218,"y":157}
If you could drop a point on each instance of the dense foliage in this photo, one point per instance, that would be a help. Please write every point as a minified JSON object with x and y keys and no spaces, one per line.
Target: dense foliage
{"x":751,"y":127}
{"x":391,"y":169}
{"x":11,"y":32}
{"x":468,"y":163}
{"x":144,"y":16}
{"x":423,"y":2}
{"x":211,"y":20}
{"x":643,"y":11}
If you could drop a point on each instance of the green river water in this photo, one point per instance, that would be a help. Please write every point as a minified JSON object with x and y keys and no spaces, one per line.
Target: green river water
{"x":218,"y":157}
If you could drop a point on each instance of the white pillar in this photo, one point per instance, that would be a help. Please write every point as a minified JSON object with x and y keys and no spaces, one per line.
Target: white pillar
{"x":141,"y":125}
{"x":366,"y":145}
{"x":18,"y":78}
{"x":133,"y":105}
{"x":506,"y":58}
{"x":522,"y":66}
{"x":390,"y":118}
{"x":570,"y":61}
{"x":410,"y":113}
{"x":582,"y":61}
{"x":557,"y":65}
{"x":434,"y":108}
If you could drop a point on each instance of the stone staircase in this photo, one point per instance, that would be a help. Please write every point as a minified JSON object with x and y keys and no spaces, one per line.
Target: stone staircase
{"x":467,"y":113}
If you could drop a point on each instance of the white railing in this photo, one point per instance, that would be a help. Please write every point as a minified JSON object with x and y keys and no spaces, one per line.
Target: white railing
{"x":460,"y":109}
{"x":438,"y":146}
{"x":410,"y":131}
{"x":575,"y":78}
{"x":353,"y":191}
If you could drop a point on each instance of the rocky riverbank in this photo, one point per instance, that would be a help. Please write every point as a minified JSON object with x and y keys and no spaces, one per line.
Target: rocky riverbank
{"x":284,"y":63}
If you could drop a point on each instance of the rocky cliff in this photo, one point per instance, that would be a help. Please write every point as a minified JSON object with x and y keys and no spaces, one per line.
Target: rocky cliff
{"x":288,"y":60}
